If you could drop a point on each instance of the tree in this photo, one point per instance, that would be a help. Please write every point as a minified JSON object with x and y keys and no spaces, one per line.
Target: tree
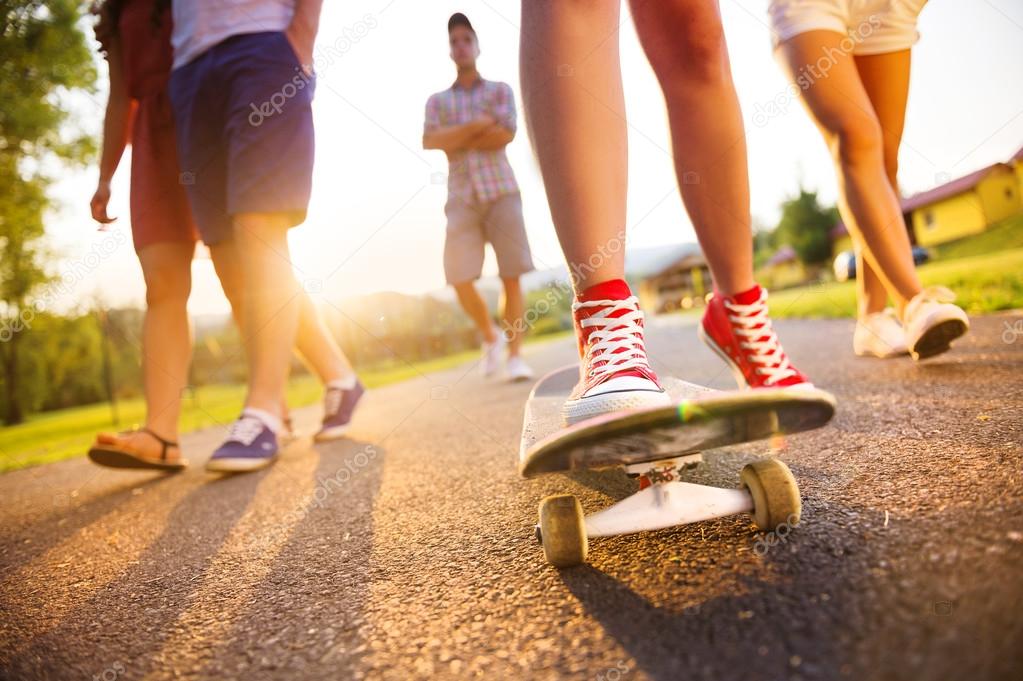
{"x":805,"y":225}
{"x":43,"y":55}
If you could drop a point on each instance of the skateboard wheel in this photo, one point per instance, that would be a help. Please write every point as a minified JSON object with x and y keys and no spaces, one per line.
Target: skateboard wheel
{"x":775,"y":494}
{"x":563,"y":531}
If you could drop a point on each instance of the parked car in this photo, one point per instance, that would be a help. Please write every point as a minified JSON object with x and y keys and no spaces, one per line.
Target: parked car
{"x":845,"y":262}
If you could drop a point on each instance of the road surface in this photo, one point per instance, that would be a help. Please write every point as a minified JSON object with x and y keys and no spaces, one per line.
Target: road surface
{"x":407,"y":551}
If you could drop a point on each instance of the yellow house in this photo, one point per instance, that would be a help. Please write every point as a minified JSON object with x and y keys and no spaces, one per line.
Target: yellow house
{"x":965,"y":206}
{"x":956,"y":209}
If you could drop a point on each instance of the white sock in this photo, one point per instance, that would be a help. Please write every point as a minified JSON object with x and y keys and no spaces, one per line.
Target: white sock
{"x":346,"y":383}
{"x":268,"y":419}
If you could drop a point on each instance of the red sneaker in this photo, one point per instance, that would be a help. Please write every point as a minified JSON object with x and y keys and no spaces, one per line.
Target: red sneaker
{"x":615,"y":372}
{"x":739,"y":330}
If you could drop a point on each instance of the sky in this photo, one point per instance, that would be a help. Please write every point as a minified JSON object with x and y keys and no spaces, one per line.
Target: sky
{"x":376,"y":220}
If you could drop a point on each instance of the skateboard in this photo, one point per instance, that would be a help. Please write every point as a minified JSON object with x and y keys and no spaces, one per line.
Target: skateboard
{"x":658,"y":445}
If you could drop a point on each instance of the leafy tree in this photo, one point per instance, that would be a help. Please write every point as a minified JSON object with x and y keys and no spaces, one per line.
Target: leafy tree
{"x":804,"y":225}
{"x":43,"y":55}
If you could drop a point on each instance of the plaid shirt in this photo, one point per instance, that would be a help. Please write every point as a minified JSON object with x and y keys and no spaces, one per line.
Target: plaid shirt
{"x":475,"y":173}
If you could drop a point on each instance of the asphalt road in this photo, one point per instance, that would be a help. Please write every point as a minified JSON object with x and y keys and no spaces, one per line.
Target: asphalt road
{"x":407,"y":551}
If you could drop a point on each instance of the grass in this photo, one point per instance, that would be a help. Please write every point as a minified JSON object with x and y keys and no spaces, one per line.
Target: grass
{"x":67,"y":433}
{"x":1006,"y":235}
{"x":985,"y":271}
{"x":983,"y":283}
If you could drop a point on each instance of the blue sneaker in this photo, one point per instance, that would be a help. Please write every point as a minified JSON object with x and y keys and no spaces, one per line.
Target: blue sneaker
{"x":250,"y":445}
{"x":338,"y":405}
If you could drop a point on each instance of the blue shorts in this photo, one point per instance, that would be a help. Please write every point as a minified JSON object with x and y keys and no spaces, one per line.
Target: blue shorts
{"x":243,"y":113}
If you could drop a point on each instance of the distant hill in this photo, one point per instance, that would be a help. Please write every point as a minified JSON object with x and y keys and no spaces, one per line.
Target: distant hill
{"x":389,"y":312}
{"x":639,"y":264}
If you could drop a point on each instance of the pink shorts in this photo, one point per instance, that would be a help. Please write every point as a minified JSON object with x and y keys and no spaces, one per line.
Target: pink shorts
{"x":872,"y":26}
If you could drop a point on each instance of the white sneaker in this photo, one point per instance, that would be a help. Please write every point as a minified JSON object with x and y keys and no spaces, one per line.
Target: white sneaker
{"x":518,"y":370}
{"x":492,"y":353}
{"x":932,"y":322}
{"x":879,"y":334}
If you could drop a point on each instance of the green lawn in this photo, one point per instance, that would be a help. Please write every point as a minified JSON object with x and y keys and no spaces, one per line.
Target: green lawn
{"x":66,"y":433}
{"x":983,"y":283}
{"x":985,"y":271}
{"x":1006,"y":235}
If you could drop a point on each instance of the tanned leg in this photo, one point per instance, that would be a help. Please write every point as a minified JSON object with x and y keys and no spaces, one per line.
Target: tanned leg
{"x":843,"y":111}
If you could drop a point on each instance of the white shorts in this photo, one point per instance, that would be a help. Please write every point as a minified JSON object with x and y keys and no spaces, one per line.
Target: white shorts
{"x":872,"y":26}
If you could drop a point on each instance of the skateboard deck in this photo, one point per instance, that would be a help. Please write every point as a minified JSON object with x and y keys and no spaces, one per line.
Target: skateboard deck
{"x":699,"y":419}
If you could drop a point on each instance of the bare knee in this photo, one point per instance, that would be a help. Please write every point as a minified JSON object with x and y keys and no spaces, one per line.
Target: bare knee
{"x":684,"y":41}
{"x":170,"y":289}
{"x":856,"y":140}
{"x":167,"y":270}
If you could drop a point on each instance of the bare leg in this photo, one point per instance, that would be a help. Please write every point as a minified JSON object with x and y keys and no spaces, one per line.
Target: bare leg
{"x":270,"y":306}
{"x":885,"y":77}
{"x":685,"y":44}
{"x":166,"y":343}
{"x":317,"y":346}
{"x":476,"y":308}
{"x":314,"y":342}
{"x":575,"y":109}
{"x":871,"y":295}
{"x":167,"y":333}
{"x":229,"y":272}
{"x":845,"y":115}
{"x":513,"y":308}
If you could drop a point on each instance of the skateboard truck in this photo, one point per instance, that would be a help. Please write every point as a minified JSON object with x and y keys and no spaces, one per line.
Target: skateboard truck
{"x":769,"y":492}
{"x":665,"y":470}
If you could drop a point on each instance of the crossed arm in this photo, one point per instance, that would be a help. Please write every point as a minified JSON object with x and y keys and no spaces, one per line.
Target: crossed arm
{"x":482,"y":133}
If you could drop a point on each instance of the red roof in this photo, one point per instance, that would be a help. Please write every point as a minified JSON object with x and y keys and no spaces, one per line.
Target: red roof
{"x":944,"y":191}
{"x":949,"y":189}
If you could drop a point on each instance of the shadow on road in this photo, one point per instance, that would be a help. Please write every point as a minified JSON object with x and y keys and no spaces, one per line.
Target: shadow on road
{"x":68,"y":518}
{"x":764,"y":618}
{"x":322,"y":570}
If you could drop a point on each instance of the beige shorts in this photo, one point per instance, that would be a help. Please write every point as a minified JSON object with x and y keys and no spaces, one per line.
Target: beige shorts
{"x":872,"y":26}
{"x":471,"y":225}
